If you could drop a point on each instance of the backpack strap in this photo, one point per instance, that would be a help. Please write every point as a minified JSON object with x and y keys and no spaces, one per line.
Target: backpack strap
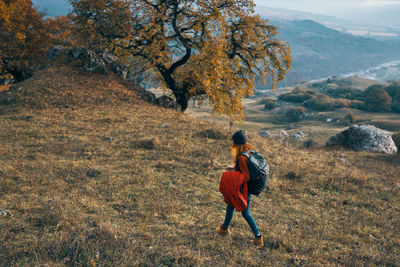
{"x":246,"y":154}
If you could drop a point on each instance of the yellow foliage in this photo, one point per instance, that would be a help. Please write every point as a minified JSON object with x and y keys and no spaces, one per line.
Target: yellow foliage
{"x":204,"y":49}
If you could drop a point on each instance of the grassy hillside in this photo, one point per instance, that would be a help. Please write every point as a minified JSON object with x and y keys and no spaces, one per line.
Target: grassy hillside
{"x":93,"y":176}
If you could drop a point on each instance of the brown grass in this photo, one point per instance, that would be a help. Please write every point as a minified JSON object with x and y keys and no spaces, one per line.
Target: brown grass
{"x":102,"y":183}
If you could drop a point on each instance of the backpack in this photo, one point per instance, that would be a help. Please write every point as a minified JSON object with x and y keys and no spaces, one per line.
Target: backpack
{"x":259,"y":171}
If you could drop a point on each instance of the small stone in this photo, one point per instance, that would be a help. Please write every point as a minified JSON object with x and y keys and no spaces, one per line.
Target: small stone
{"x":4,"y":212}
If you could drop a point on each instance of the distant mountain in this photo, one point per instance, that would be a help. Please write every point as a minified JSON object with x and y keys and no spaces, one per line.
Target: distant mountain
{"x":356,"y":23}
{"x":320,"y":52}
{"x":53,"y":8}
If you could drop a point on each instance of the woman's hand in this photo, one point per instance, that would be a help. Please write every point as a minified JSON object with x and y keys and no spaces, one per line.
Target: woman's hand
{"x":230,"y":168}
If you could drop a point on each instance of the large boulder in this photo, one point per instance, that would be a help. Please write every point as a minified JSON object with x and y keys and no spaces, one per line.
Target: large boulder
{"x":364,"y":138}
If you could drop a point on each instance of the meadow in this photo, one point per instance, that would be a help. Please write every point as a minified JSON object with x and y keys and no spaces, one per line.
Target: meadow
{"x":91,"y":175}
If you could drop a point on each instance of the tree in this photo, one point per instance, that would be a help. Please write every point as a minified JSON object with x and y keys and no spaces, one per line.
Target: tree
{"x":295,"y":113}
{"x":60,"y":30}
{"x":23,"y":38}
{"x":213,"y":49}
{"x":377,"y":99}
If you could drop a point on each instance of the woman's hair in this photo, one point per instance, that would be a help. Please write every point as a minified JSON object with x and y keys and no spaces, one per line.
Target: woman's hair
{"x":237,"y":149}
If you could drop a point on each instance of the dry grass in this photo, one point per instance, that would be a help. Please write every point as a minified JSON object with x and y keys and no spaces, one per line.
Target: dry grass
{"x":102,"y":183}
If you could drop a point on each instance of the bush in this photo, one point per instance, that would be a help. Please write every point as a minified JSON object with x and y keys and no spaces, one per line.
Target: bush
{"x":396,"y":106}
{"x":350,"y":117}
{"x":393,"y":91}
{"x":321,"y":102}
{"x":295,"y":113}
{"x":345,"y":92}
{"x":297,"y":95}
{"x":357,"y":104}
{"x":269,"y":104}
{"x":396,"y":139}
{"x":342,"y":103}
{"x":377,"y":99}
{"x":310,"y":143}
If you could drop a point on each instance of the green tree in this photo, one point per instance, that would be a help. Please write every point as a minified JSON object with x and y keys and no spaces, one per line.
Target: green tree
{"x":377,"y":99}
{"x":295,"y":113}
{"x":209,"y":49}
{"x":394,"y":91}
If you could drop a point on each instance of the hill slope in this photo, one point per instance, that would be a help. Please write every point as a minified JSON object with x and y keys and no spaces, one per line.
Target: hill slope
{"x":104,"y":181}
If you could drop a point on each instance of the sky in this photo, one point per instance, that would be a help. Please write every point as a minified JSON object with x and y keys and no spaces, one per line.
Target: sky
{"x":329,"y":7}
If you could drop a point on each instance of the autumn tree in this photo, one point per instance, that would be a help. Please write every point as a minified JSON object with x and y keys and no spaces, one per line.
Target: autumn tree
{"x":23,"y":37}
{"x":208,"y":49}
{"x":60,"y":30}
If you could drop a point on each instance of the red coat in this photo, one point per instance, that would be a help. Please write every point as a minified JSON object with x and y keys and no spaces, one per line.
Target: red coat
{"x":234,"y":189}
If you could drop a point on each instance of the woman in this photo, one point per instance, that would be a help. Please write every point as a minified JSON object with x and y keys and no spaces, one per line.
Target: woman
{"x":240,"y":145}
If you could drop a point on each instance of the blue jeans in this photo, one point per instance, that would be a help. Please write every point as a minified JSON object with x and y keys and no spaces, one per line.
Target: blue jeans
{"x":246,"y":215}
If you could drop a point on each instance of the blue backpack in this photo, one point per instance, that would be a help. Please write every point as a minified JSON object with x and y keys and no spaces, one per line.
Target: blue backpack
{"x":259,"y":171}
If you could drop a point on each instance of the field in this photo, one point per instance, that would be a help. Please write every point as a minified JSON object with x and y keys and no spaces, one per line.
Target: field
{"x":93,"y":176}
{"x":318,"y":126}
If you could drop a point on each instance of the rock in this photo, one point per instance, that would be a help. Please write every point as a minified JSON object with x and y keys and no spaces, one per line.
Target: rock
{"x":58,"y":50}
{"x":165,"y":125}
{"x":282,"y":133}
{"x":93,"y":63}
{"x":364,"y":138}
{"x":7,"y":100}
{"x":148,"y":96}
{"x":265,"y":134}
{"x":4,"y":212}
{"x":167,"y":102}
{"x":77,"y":52}
{"x":297,"y":135}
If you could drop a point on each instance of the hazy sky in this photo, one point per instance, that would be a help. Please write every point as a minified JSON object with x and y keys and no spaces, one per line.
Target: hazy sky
{"x":335,"y":7}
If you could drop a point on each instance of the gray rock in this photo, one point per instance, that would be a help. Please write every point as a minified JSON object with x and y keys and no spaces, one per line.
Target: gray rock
{"x":58,"y":50}
{"x":364,"y":138}
{"x":4,"y":212}
{"x":265,"y":134}
{"x":93,"y":63}
{"x":297,"y":135}
{"x":77,"y":52}
{"x":167,"y":102}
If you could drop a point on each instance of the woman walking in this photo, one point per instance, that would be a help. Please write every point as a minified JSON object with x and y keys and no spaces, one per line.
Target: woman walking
{"x":239,"y":146}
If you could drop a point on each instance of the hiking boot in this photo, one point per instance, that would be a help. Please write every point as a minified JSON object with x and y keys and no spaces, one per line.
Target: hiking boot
{"x":222,"y":231}
{"x":258,"y":241}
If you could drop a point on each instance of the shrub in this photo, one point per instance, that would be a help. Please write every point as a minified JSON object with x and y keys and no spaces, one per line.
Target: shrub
{"x":342,"y":103}
{"x":396,"y":139}
{"x":345,"y":92}
{"x":269,"y":104}
{"x":295,"y":113}
{"x":310,"y":143}
{"x":396,"y":106}
{"x":350,"y":117}
{"x":321,"y":102}
{"x":377,"y":99}
{"x":357,"y":104}
{"x":393,"y":91}
{"x":297,"y":95}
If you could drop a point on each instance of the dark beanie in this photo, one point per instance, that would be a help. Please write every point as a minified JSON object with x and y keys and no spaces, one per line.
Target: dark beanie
{"x":239,"y":137}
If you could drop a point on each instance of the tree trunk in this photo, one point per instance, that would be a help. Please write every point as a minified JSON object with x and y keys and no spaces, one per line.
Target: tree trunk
{"x":183,"y":100}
